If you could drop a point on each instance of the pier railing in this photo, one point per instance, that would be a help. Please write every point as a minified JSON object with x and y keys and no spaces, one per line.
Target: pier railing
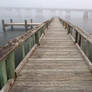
{"x":12,"y":24}
{"x":81,"y":38}
{"x":14,"y":52}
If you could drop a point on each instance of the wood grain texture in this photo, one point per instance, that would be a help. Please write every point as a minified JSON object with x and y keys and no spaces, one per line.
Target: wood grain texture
{"x":56,"y":66}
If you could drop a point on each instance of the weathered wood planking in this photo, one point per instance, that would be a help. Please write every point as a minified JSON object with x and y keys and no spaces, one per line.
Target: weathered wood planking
{"x":56,"y":66}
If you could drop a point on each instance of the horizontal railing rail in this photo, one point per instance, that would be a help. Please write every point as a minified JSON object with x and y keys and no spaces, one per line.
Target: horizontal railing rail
{"x":11,"y":24}
{"x":15,"y":51}
{"x":81,"y":37}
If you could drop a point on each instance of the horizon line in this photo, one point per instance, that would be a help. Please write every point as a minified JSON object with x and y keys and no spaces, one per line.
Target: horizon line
{"x":47,"y":8}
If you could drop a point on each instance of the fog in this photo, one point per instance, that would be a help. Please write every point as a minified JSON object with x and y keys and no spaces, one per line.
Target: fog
{"x":79,"y":4}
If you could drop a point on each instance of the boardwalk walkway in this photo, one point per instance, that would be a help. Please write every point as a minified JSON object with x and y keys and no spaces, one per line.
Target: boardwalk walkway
{"x":55,"y":66}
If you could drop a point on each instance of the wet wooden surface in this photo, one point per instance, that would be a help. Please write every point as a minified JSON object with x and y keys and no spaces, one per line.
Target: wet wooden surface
{"x":56,"y":66}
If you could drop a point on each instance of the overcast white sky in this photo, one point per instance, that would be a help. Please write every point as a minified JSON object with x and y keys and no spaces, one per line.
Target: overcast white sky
{"x":84,"y":4}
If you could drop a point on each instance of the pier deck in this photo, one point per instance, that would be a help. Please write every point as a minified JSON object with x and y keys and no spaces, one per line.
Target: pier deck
{"x":56,"y":65}
{"x":12,"y":24}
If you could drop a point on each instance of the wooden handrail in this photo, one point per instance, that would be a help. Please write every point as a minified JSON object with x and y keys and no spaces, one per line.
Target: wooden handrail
{"x":82,"y":38}
{"x":79,"y":30}
{"x":12,"y":24}
{"x":8,"y":52}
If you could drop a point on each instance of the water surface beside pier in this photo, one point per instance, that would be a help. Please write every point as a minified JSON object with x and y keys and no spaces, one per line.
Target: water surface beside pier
{"x":20,"y":14}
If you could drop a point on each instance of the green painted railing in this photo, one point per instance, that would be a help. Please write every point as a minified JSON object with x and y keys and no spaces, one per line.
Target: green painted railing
{"x":15,"y":51}
{"x":81,"y":38}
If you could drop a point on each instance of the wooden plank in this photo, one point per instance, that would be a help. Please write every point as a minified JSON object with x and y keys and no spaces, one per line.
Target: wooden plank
{"x":47,"y":89}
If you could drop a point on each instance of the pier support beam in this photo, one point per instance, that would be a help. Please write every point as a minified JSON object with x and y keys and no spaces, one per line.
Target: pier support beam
{"x":26,"y":25}
{"x":76,"y":37}
{"x":11,"y":21}
{"x":23,"y":51}
{"x":79,"y":39}
{"x":88,"y":49}
{"x":37,"y":38}
{"x":31,"y":25}
{"x":29,"y":44}
{"x":10,"y":62}
{"x":3,"y":73}
{"x":3,"y":25}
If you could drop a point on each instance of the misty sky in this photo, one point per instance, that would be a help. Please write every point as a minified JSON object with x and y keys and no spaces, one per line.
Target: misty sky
{"x":84,"y":4}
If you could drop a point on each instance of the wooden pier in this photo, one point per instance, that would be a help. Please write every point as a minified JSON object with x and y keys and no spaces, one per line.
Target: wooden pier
{"x":54,"y":59}
{"x":12,"y":24}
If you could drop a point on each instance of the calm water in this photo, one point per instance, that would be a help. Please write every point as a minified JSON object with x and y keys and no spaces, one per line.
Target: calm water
{"x":20,"y":14}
